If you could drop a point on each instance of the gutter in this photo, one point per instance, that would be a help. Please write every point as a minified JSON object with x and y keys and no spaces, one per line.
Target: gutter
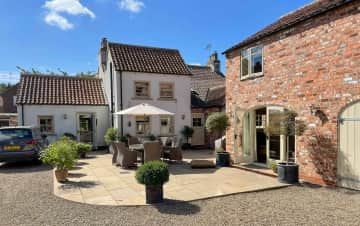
{"x":111,"y":95}
{"x":121,"y":103}
{"x":22,"y":115}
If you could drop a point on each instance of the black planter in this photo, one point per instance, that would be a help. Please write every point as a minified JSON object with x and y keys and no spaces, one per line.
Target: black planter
{"x":154,"y":194}
{"x":186,"y":146}
{"x":288,"y":173}
{"x":223,"y":159}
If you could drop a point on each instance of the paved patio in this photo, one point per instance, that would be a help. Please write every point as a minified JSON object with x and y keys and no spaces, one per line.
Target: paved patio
{"x":95,"y":181}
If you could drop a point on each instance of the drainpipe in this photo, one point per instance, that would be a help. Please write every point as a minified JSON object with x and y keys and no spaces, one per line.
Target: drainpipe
{"x":121,"y":104}
{"x":22,"y":115}
{"x":111,"y":96}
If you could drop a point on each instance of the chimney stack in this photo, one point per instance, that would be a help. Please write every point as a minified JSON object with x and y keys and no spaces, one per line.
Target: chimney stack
{"x":214,"y":62}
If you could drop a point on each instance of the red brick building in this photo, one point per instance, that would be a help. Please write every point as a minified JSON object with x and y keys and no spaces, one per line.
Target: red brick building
{"x":307,"y":61}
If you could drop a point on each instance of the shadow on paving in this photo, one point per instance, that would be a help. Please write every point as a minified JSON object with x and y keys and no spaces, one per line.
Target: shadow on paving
{"x":345,"y":191}
{"x":77,"y":184}
{"x":176,"y":207}
{"x":23,"y":167}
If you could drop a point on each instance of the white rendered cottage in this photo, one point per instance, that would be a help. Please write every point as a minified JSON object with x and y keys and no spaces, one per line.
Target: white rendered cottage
{"x":59,"y":105}
{"x":136,"y":74}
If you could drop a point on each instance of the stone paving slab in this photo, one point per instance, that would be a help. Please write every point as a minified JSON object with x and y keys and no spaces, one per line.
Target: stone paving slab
{"x":96,"y":181}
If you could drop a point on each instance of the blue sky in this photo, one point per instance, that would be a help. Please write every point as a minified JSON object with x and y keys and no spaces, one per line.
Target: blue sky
{"x":66,"y":34}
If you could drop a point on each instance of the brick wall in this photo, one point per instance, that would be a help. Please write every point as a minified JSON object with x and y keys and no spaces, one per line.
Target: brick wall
{"x":315,"y":63}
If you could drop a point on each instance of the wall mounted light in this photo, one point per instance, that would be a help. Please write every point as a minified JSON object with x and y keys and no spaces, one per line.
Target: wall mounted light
{"x":129,"y":123}
{"x":313,"y":109}
{"x":183,"y":117}
{"x":65,"y":116}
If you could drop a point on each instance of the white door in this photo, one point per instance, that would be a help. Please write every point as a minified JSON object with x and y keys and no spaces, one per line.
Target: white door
{"x":275,"y":144}
{"x":348,"y":164}
{"x":198,"y":137}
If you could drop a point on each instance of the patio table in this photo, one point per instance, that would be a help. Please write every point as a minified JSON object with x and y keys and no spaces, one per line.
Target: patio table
{"x":138,"y":148}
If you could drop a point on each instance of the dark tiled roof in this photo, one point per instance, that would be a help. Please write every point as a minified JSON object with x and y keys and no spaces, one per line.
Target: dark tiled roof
{"x":202,"y":81}
{"x":147,"y":59}
{"x":60,"y":90}
{"x":291,"y":19}
{"x":216,"y":96}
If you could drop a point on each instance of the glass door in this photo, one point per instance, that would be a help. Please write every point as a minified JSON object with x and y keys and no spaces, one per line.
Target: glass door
{"x":275,"y":143}
{"x":86,"y":128}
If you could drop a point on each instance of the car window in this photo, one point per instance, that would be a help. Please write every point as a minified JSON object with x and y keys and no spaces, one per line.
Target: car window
{"x":16,"y":133}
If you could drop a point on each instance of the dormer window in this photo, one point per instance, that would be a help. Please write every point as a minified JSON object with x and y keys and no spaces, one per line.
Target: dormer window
{"x":252,"y":62}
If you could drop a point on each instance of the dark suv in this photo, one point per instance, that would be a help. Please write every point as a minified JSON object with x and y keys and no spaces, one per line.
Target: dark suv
{"x":20,"y":143}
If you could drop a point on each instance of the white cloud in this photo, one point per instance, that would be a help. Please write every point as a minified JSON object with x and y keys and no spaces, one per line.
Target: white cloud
{"x":54,"y":19}
{"x":72,"y":7}
{"x":134,"y":6}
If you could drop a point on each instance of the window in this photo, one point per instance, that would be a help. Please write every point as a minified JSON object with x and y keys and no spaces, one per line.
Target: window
{"x":143,"y":125}
{"x":142,"y":89}
{"x":166,"y":125}
{"x":252,"y":62}
{"x":46,"y":124}
{"x":167,"y":90}
{"x":197,"y":122}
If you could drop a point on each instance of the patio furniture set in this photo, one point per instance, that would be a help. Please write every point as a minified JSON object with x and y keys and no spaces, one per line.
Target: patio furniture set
{"x":127,"y":156}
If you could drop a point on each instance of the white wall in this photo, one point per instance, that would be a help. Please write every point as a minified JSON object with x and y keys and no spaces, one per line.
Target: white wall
{"x":180,"y":106}
{"x":68,"y":125}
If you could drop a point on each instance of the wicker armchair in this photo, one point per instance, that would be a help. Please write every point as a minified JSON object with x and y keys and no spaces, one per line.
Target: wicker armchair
{"x":174,"y":153}
{"x":152,"y":151}
{"x":125,"y":158}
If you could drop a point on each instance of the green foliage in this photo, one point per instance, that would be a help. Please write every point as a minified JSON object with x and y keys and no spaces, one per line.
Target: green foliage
{"x":4,"y":87}
{"x":87,"y":74}
{"x":187,"y":132}
{"x":155,"y":173}
{"x":152,"y":137}
{"x":273,"y":166}
{"x":61,"y":154}
{"x":111,"y":135}
{"x":124,"y":139}
{"x":82,"y":149}
{"x":217,"y":122}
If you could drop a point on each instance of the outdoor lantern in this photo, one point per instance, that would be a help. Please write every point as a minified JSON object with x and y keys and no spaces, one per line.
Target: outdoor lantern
{"x":183,"y":116}
{"x":65,"y":116}
{"x":129,"y":124}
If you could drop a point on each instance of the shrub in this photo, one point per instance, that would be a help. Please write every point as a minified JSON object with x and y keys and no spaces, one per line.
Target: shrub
{"x":111,"y":135}
{"x":217,"y":122}
{"x":82,"y":149}
{"x":154,"y":173}
{"x":61,"y":154}
{"x":273,"y":166}
{"x":69,"y":135}
{"x":187,"y":132}
{"x":152,"y":137}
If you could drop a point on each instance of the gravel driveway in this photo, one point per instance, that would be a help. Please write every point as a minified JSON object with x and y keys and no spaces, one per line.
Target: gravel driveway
{"x":26,"y":199}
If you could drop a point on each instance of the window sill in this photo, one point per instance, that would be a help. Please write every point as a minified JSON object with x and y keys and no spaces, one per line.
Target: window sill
{"x":167,"y":99}
{"x":253,"y":76}
{"x":141,"y":98}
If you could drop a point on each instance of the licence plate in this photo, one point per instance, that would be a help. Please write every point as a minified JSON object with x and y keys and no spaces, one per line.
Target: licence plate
{"x":12,"y":148}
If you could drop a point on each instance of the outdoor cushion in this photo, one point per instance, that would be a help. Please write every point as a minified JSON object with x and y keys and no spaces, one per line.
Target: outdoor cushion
{"x":202,"y":164}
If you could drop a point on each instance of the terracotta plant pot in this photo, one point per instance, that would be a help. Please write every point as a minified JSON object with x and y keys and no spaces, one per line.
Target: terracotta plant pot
{"x":61,"y":175}
{"x":154,"y":194}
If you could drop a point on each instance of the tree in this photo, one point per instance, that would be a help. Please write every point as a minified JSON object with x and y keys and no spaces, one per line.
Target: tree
{"x":187,"y":132}
{"x":217,"y":122}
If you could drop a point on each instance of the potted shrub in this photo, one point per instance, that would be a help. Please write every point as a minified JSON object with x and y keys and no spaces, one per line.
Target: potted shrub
{"x":82,"y":149}
{"x":285,"y":123}
{"x":110,"y":137}
{"x":187,"y":132}
{"x":217,"y":123}
{"x":153,"y":175}
{"x":61,"y":155}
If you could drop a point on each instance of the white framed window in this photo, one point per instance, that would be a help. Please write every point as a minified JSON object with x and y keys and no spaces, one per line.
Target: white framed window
{"x":166,"y":125}
{"x":197,"y":122}
{"x":46,"y":124}
{"x":252,"y":62}
{"x":143,"y":127}
{"x":167,"y":90}
{"x":142,"y":89}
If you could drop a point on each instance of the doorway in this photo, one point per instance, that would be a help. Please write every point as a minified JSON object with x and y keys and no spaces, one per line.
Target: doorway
{"x":86,"y":128}
{"x":260,"y":135}
{"x":198,"y":137}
